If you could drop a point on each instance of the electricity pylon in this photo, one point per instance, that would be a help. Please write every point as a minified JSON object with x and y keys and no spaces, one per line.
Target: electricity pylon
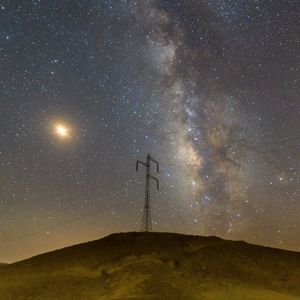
{"x":146,"y":221}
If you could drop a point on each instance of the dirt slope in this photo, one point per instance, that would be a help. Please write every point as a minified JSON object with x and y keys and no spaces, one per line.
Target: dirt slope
{"x":155,"y":266}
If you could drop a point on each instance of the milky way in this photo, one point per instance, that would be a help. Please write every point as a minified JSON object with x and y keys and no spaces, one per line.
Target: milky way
{"x":208,"y":88}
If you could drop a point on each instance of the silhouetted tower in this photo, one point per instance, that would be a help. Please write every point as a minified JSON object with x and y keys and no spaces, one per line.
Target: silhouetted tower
{"x":146,"y":221}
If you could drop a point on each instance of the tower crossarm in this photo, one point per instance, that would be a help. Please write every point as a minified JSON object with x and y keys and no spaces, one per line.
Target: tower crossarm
{"x":140,"y":162}
{"x":156,"y":162}
{"x":157,"y":182}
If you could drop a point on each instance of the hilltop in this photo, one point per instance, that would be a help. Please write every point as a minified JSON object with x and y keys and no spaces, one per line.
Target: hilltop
{"x":155,"y":266}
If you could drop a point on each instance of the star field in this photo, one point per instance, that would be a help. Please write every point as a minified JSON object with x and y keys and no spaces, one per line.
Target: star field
{"x":208,"y":88}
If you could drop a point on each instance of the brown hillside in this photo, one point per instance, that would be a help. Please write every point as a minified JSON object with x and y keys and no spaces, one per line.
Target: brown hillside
{"x":155,"y":266}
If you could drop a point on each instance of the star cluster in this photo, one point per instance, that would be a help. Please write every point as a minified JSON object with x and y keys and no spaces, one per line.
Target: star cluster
{"x":208,"y":88}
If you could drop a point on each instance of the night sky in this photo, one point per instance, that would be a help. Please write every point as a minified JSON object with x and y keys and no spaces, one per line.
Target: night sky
{"x":208,"y":88}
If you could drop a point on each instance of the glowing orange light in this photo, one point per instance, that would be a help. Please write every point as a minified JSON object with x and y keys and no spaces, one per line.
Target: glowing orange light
{"x":62,"y":131}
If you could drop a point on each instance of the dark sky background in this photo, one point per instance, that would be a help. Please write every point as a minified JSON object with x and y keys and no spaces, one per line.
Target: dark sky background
{"x":208,"y":88}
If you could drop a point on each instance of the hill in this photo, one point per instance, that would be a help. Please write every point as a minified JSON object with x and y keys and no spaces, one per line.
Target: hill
{"x":155,"y":266}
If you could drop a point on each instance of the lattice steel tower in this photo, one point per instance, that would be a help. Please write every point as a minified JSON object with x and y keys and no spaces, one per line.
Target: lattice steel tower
{"x":146,"y":220}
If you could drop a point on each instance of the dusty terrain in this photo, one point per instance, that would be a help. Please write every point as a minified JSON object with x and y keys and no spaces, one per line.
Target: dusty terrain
{"x":155,"y":266}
